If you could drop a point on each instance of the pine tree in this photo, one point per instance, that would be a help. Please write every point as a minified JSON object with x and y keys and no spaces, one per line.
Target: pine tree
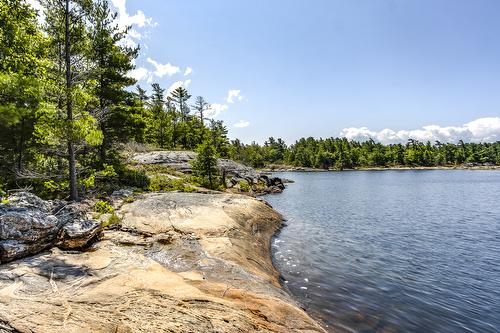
{"x":200,"y":105}
{"x":67,"y":27}
{"x":112,"y":63}
{"x":205,"y":165}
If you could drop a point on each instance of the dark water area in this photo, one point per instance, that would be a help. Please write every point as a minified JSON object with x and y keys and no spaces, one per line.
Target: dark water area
{"x":393,"y":251}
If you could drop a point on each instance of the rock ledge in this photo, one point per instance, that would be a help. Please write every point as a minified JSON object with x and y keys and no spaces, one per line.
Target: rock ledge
{"x":179,"y":262}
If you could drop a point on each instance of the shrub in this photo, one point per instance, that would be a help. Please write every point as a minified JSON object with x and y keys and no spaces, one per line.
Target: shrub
{"x":160,"y":183}
{"x":244,"y":186}
{"x":113,"y":219}
{"x":133,"y":178}
{"x":103,"y":207}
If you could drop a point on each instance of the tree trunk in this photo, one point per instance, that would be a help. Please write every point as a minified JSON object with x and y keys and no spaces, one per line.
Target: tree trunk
{"x":21,"y":148}
{"x":73,"y":190}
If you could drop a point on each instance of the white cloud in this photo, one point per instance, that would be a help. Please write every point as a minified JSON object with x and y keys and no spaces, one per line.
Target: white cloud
{"x":188,"y":71}
{"x":215,"y":109}
{"x":479,"y":130}
{"x":242,"y":124}
{"x":232,"y":94}
{"x":124,"y":19}
{"x":134,"y":34}
{"x":178,"y":84}
{"x":139,"y":73}
{"x":38,"y":7}
{"x":163,"y":69}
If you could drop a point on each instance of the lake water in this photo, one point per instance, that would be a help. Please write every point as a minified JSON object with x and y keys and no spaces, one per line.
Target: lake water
{"x":393,"y":251}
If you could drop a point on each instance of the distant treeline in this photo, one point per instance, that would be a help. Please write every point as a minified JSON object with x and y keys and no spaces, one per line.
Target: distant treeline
{"x":340,"y":153}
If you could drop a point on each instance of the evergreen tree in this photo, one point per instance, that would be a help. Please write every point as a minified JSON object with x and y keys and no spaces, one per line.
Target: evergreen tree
{"x":200,"y":105}
{"x":205,"y":165}
{"x":67,"y":28}
{"x":23,"y":60}
{"x":112,"y":63}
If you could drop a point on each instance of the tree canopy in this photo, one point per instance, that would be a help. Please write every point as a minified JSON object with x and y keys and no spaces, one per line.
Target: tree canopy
{"x":68,"y":104}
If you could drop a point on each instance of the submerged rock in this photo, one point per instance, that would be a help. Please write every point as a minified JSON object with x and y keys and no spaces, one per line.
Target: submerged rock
{"x":180,"y":262}
{"x":29,"y":225}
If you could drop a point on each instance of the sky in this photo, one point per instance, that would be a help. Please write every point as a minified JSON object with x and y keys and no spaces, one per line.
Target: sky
{"x":381,"y":69}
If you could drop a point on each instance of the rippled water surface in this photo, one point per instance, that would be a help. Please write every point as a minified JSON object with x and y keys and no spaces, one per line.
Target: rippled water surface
{"x":393,"y":251}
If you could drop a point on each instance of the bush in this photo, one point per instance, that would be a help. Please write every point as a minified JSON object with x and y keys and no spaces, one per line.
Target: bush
{"x":113,"y":219}
{"x":160,"y":183}
{"x":103,"y":207}
{"x":2,"y":192}
{"x":244,"y":186}
{"x":133,"y":178}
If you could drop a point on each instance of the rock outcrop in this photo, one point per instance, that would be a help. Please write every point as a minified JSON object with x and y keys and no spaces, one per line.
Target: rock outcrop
{"x":29,"y":225}
{"x":179,"y":262}
{"x":234,"y":172}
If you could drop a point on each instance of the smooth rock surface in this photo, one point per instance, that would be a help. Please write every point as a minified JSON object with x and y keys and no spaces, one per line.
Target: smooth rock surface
{"x":181,"y":262}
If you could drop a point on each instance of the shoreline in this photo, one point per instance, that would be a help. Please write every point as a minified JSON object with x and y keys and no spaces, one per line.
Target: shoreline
{"x":177,"y":262}
{"x":392,"y":168}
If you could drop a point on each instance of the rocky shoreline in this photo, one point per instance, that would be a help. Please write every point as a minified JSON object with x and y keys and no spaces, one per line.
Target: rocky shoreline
{"x":177,"y":262}
{"x":235,"y":175}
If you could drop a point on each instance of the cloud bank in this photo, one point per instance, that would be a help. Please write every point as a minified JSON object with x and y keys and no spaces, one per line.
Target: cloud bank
{"x":242,"y":124}
{"x":479,"y":130}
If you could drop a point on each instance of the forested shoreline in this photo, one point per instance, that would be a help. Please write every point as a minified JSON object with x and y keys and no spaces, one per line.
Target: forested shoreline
{"x":68,"y":107}
{"x":340,"y":153}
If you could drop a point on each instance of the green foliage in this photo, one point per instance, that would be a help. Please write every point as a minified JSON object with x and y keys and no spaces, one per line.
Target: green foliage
{"x":161,"y":183}
{"x":244,"y":186}
{"x":205,"y":166}
{"x":23,"y":58}
{"x":339,"y":154}
{"x":54,"y":189}
{"x":103,"y":207}
{"x":133,"y":177}
{"x":129,"y":199}
{"x":113,"y":219}
{"x":44,"y":112}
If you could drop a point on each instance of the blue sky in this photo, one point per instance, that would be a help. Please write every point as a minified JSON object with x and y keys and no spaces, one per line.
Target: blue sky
{"x":327,"y":67}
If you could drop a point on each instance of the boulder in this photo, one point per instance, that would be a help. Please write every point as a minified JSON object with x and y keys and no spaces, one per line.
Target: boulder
{"x":123,"y":193}
{"x":178,"y":160}
{"x":29,"y":225}
{"x":78,"y":233}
